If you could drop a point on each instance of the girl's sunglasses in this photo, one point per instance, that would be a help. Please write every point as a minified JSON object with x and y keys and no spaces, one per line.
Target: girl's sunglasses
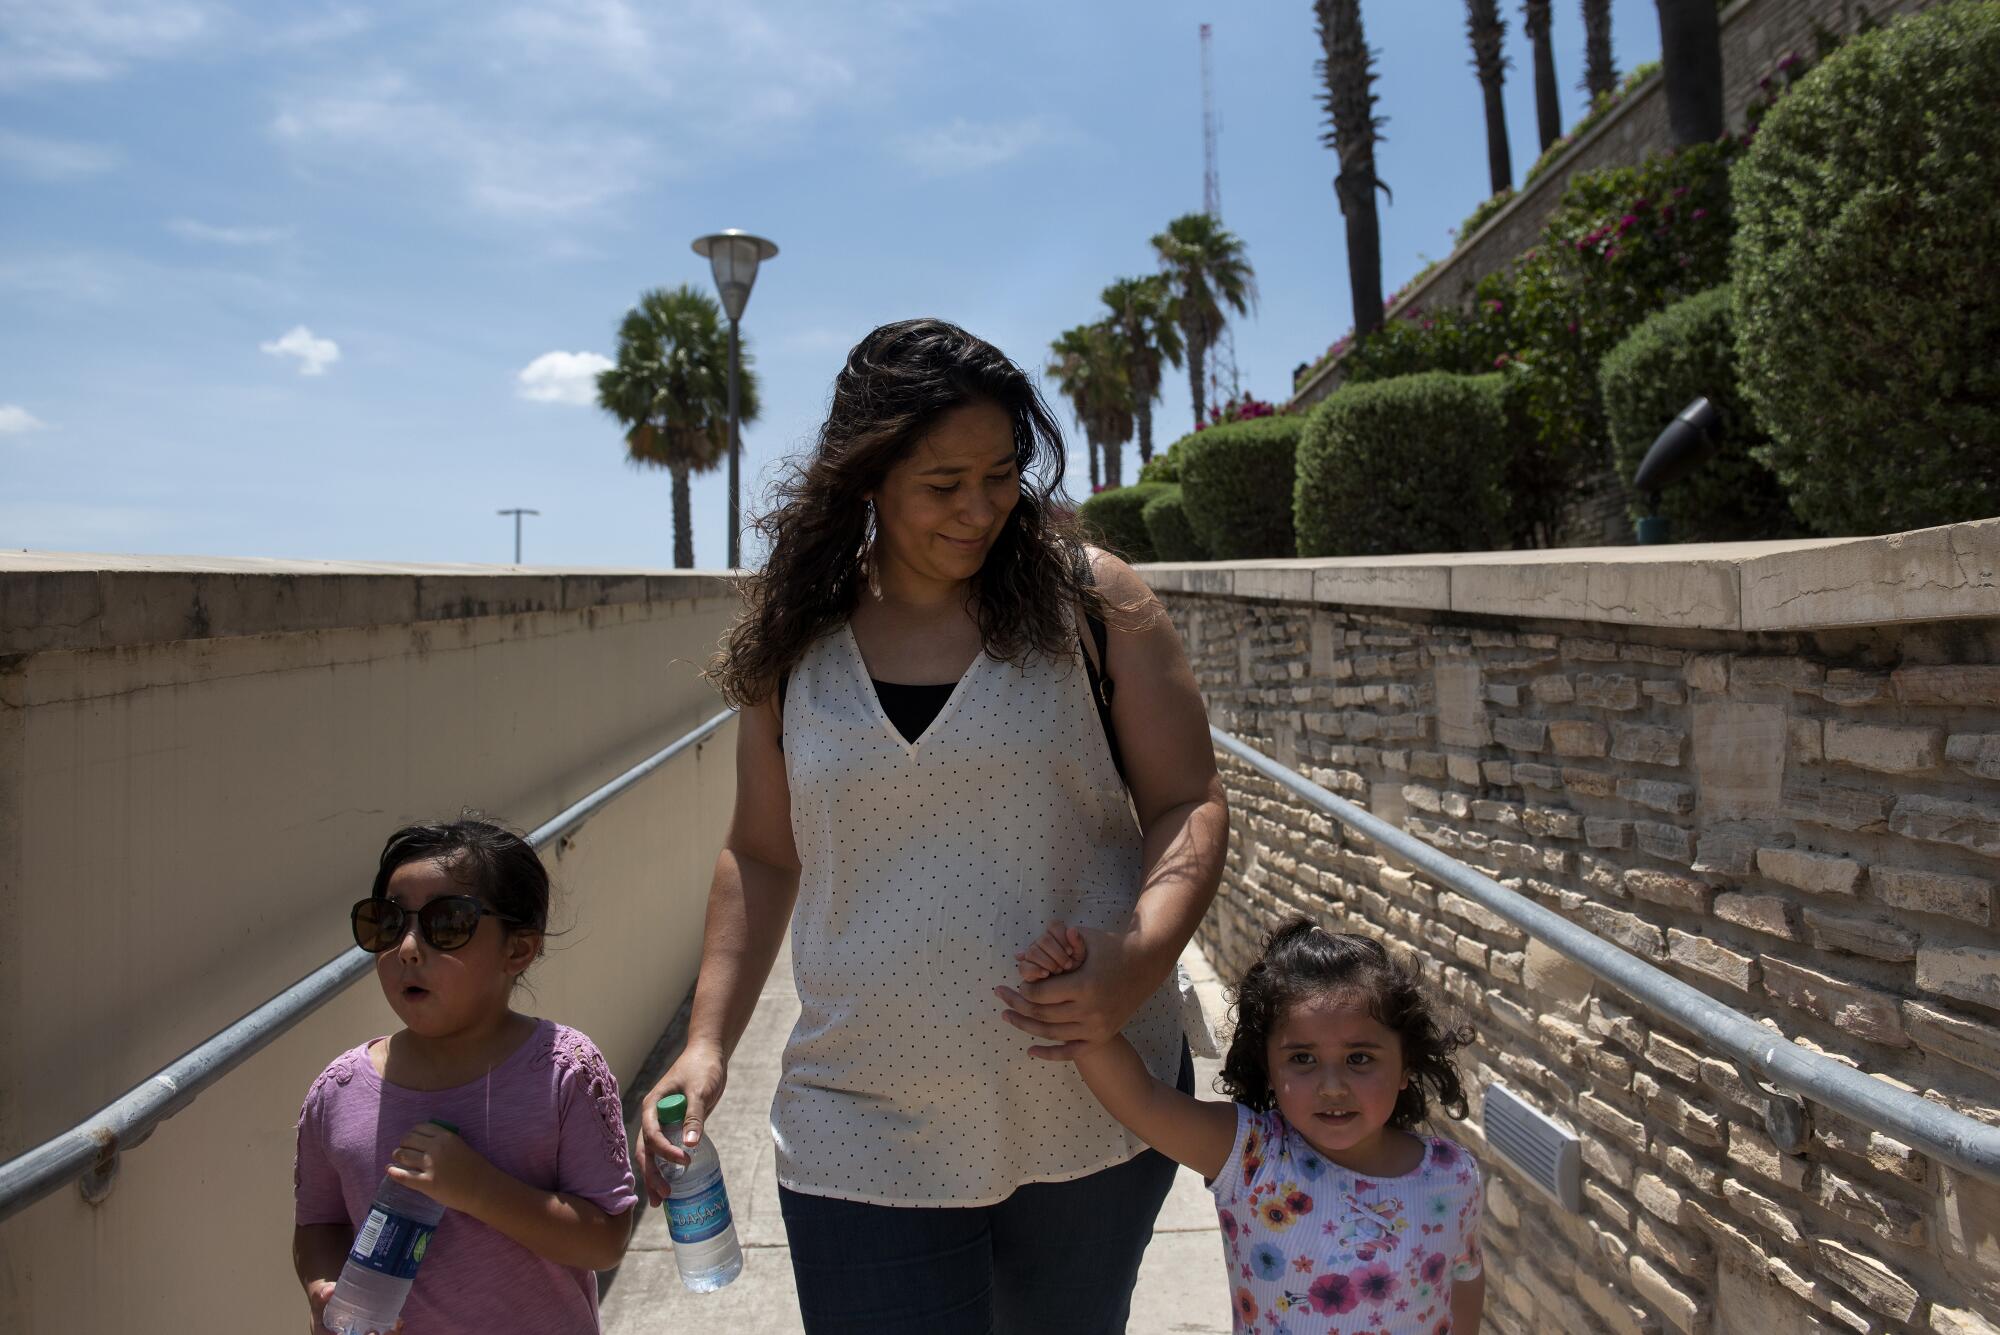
{"x":446,"y":923}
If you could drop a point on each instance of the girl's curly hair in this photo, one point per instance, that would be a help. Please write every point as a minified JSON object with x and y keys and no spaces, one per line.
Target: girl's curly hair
{"x":1302,"y":960}
{"x":897,"y":383}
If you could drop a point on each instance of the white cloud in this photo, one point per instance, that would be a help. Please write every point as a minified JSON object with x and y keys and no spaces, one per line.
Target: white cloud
{"x":562,"y":377}
{"x":578,"y":104}
{"x":16,"y":420}
{"x":963,"y":146}
{"x":315,"y":354}
{"x":188,"y":229}
{"x":519,"y":170}
{"x":53,"y":159}
{"x":83,"y":40}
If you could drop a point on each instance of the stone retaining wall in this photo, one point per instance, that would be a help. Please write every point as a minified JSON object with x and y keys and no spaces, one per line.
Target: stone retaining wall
{"x":1803,"y":822}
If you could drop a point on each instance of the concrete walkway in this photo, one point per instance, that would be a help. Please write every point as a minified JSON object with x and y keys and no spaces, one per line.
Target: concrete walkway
{"x":1181,"y":1284}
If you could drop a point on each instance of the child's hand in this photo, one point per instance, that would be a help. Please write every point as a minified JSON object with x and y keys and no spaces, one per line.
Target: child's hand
{"x":440,"y":1165}
{"x":1058,"y":950}
{"x":319,"y":1292}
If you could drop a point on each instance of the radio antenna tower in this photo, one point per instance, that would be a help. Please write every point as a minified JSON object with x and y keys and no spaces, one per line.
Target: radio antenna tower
{"x":1211,"y":184}
{"x":1222,"y":357}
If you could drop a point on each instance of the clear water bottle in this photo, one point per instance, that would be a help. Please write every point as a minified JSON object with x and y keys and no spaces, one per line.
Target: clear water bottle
{"x":698,"y":1217}
{"x":383,"y":1262}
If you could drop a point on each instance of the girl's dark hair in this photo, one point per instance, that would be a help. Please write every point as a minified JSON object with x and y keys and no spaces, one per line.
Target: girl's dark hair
{"x":1302,"y":960}
{"x":497,"y":865}
{"x":897,"y":383}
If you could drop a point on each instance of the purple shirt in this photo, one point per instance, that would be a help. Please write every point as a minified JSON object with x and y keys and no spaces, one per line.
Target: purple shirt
{"x":547,"y":1115}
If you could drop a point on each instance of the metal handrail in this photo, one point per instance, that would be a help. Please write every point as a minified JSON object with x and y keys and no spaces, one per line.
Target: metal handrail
{"x":1949,"y":1137}
{"x":90,"y":1149}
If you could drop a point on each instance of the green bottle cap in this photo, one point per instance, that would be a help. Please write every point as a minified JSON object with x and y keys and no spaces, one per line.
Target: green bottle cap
{"x":672,"y":1108}
{"x":439,"y":1121}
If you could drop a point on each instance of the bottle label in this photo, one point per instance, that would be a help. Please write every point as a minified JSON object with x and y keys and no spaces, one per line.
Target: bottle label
{"x":699,"y":1217}
{"x":391,"y":1244}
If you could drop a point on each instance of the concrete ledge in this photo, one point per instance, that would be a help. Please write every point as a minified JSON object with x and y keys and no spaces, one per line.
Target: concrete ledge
{"x":66,"y":601}
{"x":1935,"y":574}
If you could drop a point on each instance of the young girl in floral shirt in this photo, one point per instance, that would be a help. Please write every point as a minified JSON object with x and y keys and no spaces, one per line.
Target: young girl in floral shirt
{"x":1337,"y":1216}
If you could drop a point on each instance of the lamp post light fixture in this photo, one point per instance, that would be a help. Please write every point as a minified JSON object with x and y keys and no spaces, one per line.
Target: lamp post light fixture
{"x":517,"y":529}
{"x":734,"y":255}
{"x":1684,"y":445}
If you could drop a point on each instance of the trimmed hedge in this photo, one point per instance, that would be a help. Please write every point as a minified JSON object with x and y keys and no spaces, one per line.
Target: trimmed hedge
{"x":1167,"y":524}
{"x":1686,"y":350}
{"x":1115,"y":518}
{"x":1236,"y":486}
{"x":1407,"y":465}
{"x":1867,"y":310}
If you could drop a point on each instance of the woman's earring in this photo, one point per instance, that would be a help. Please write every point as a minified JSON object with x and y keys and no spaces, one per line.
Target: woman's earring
{"x":869,"y":560}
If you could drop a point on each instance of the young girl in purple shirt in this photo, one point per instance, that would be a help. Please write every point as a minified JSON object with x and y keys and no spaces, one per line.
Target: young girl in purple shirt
{"x":536,"y":1181}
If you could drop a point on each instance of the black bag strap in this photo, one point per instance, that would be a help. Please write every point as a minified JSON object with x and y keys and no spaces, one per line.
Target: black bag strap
{"x":1101,"y":685}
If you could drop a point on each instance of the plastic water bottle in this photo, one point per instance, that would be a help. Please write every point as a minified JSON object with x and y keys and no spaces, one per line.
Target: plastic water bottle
{"x":383,"y":1262}
{"x":698,"y":1217}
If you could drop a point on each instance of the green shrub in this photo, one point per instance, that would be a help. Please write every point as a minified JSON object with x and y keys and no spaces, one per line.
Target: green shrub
{"x":1116,"y":519}
{"x":1165,"y":466}
{"x":1408,"y":465}
{"x":1167,"y":525}
{"x":1462,"y":342}
{"x":1625,"y":242}
{"x":1482,"y":213}
{"x":1684,"y":351}
{"x":1236,"y":485}
{"x":1867,"y":308}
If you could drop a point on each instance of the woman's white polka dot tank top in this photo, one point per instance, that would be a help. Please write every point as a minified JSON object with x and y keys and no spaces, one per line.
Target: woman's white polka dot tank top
{"x":925,"y":866}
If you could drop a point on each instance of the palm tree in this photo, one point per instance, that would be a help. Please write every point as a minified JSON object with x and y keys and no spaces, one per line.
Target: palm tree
{"x":1600,"y":75}
{"x":1089,"y":368}
{"x":1691,"y":64}
{"x":1348,"y":71}
{"x":1142,"y":309}
{"x":1206,"y":269}
{"x":669,"y":388}
{"x":1487,"y":31}
{"x":1535,"y":19}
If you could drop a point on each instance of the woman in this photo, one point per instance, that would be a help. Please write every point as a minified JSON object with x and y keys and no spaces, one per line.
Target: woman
{"x":923,"y":781}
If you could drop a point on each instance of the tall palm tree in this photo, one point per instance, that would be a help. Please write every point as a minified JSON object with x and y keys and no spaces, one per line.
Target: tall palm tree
{"x":1536,"y":20}
{"x":669,"y":388}
{"x":1206,"y":269}
{"x":1089,"y":364}
{"x":1348,"y":71}
{"x":1600,"y":75}
{"x":1142,"y":309}
{"x":1691,"y":64}
{"x":1488,"y":30}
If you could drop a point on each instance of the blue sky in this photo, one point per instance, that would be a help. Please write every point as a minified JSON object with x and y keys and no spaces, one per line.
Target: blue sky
{"x":273,"y":277}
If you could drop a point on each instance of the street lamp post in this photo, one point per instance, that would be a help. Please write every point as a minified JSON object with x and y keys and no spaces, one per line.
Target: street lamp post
{"x":734,"y":256}
{"x":517,"y":529}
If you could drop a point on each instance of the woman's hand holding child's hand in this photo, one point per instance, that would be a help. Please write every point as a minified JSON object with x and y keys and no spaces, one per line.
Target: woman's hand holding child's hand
{"x":442,"y":1166}
{"x":1071,"y":992}
{"x":1058,"y":950}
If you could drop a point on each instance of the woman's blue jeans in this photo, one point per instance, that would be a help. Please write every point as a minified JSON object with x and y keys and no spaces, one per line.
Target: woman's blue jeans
{"x":1054,"y":1258}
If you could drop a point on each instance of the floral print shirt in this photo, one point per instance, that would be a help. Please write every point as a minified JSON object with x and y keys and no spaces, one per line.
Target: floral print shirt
{"x":1314,"y":1249}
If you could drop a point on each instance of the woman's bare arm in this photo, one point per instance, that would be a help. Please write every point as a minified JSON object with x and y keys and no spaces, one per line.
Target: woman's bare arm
{"x":750,"y":901}
{"x":1162,"y":727}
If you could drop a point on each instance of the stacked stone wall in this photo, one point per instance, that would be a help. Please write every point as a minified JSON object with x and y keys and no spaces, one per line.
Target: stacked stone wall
{"x":1806,"y":827}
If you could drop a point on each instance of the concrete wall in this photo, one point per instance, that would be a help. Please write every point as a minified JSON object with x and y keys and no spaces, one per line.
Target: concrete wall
{"x":1756,"y":34}
{"x":1772,"y":770}
{"x":198,"y":764}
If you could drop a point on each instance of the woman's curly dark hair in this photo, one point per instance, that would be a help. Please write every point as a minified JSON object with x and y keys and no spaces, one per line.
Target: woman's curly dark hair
{"x":897,"y":383}
{"x":1302,"y":960}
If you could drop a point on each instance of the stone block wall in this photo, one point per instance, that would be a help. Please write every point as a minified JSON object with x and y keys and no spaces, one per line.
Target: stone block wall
{"x":1805,"y":825}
